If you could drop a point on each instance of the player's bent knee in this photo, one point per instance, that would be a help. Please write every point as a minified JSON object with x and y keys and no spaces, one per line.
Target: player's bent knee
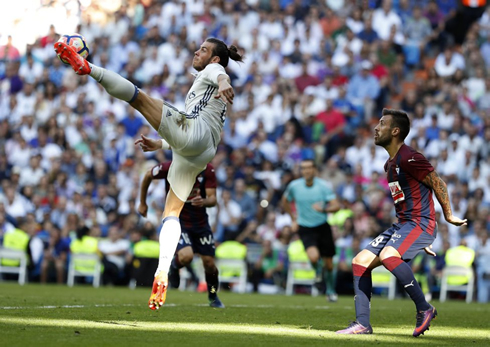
{"x":186,"y":256}
{"x":364,"y":258}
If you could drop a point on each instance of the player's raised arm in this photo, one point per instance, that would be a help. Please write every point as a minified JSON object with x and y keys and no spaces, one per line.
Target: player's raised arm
{"x":434,"y":181}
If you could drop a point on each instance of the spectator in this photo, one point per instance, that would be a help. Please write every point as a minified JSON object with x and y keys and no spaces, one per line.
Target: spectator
{"x":114,"y":249}
{"x":270,"y":266}
{"x":229,"y":217}
{"x":362,"y":90}
{"x":56,"y":254}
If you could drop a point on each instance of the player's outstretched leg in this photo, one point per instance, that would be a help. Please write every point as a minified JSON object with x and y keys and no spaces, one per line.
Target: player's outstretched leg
{"x":423,"y":320}
{"x":403,"y":272}
{"x":69,"y":55}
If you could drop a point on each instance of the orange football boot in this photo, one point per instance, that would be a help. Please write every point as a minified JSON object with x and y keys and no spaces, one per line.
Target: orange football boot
{"x":69,"y":55}
{"x":158,"y":292}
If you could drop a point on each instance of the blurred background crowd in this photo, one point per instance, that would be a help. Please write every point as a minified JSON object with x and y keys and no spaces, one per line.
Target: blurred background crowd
{"x":315,"y":78}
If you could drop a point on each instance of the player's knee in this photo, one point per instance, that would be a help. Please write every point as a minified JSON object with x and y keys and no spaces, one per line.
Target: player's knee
{"x":362,"y":259}
{"x":186,"y":258}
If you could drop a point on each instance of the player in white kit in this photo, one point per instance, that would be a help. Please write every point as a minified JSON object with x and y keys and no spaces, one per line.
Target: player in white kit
{"x":193,"y":134}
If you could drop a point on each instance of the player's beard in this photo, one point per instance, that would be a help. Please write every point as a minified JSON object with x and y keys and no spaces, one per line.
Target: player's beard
{"x":203,"y":64}
{"x":382,"y":141}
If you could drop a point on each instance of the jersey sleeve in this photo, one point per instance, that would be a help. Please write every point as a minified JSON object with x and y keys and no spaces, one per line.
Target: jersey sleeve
{"x":416,"y":165}
{"x":211,"y":72}
{"x":329,"y":194}
{"x":160,"y":171}
{"x":210,"y":181}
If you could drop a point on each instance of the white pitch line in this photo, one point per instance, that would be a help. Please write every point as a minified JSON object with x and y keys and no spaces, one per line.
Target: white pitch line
{"x":295,"y":307}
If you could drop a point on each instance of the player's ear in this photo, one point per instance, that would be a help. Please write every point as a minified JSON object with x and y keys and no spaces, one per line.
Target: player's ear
{"x":395,"y":131}
{"x":215,"y":59}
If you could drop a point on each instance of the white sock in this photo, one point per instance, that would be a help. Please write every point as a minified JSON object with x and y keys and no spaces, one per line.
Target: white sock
{"x":169,"y":238}
{"x":114,"y":84}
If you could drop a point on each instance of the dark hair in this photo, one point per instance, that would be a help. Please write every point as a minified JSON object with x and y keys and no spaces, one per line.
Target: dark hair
{"x":400,"y":120}
{"x":82,"y":231}
{"x":312,"y":161}
{"x":224,"y":52}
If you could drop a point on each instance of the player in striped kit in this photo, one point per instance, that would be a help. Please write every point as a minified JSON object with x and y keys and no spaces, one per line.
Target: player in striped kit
{"x":412,"y":179}
{"x":192,"y":134}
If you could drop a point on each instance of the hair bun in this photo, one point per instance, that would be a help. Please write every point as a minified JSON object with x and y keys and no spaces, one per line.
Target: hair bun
{"x":233,"y":48}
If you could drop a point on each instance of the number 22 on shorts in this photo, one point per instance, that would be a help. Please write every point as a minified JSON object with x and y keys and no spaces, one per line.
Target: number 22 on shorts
{"x":377,"y":241}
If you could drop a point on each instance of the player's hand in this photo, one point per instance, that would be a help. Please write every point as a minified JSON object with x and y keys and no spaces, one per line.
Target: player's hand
{"x":143,"y":209}
{"x":197,"y":201}
{"x":147,"y":144}
{"x":317,"y":207}
{"x":429,"y":251}
{"x":225,"y":92}
{"x":456,"y":221}
{"x":294,"y":226}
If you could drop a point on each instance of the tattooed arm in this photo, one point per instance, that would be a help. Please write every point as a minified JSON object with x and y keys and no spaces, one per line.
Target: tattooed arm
{"x":434,"y":181}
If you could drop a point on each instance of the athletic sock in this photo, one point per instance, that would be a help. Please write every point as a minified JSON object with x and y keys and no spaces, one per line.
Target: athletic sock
{"x":212,"y":281}
{"x":330,"y":281}
{"x":363,"y":286}
{"x":403,"y":272}
{"x":169,"y":238}
{"x":114,"y":84}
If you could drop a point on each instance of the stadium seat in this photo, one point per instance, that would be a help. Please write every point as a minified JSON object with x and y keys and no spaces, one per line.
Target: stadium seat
{"x":18,"y":257}
{"x":382,"y":278}
{"x":468,"y":287}
{"x":293,"y":280}
{"x":82,"y":265}
{"x":233,"y":271}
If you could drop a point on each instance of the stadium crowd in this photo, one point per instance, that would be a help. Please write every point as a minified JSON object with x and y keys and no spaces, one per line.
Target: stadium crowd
{"x":315,"y":77}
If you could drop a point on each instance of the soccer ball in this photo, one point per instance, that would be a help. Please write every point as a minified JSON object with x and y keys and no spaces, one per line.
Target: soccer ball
{"x":78,"y":42}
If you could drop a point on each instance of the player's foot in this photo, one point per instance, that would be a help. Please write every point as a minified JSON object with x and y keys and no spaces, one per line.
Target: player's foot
{"x":356,"y":328}
{"x":69,"y":55}
{"x":158,"y":292}
{"x":216,"y":303}
{"x":332,"y":297}
{"x":174,"y":277}
{"x":423,"y":320}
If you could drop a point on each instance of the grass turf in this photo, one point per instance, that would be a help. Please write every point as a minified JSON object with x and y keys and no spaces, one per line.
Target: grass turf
{"x":49,"y":315}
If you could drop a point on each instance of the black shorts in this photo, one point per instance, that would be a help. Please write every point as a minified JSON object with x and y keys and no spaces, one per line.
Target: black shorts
{"x":201,"y":240}
{"x":320,"y":237}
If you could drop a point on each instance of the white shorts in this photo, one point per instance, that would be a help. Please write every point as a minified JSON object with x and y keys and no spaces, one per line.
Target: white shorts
{"x":193,"y":147}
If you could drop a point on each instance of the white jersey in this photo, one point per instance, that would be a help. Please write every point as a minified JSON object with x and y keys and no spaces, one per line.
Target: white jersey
{"x":200,"y":100}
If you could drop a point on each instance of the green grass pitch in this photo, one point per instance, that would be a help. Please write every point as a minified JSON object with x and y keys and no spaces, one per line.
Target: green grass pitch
{"x":49,"y":315}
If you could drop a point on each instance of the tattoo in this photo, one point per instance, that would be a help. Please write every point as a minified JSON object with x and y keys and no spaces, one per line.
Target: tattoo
{"x":435,"y":182}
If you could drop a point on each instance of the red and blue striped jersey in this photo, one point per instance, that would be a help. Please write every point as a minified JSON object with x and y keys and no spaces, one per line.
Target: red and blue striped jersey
{"x":413,"y":199}
{"x":191,"y":217}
